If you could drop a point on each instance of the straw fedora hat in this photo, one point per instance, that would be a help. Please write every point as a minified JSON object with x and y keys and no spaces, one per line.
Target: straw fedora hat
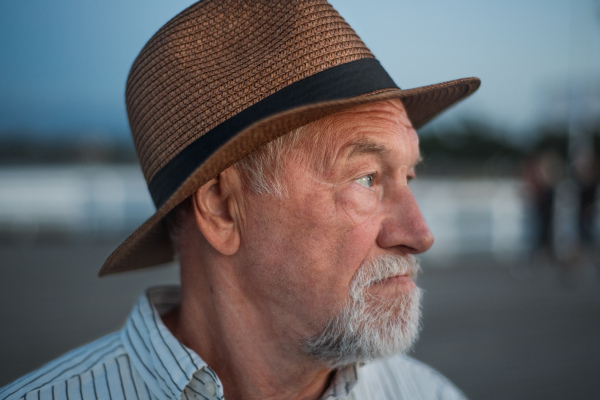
{"x":224,"y":77}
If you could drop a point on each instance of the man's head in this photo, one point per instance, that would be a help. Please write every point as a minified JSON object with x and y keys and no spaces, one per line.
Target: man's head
{"x":225,"y":77}
{"x":328,"y":251}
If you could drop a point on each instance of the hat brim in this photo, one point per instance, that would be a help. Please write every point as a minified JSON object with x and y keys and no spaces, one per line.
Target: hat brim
{"x":150,"y":245}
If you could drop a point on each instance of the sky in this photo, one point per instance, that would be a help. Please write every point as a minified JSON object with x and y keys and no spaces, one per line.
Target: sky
{"x":64,"y":63}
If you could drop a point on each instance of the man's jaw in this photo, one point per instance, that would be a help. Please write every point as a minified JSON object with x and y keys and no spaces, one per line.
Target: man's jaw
{"x":374,"y":323}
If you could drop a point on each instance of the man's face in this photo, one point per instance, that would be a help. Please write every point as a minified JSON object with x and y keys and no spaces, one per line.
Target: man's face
{"x":348,"y":203}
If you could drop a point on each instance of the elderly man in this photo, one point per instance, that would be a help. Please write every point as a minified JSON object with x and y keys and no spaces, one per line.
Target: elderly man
{"x":278,"y":153}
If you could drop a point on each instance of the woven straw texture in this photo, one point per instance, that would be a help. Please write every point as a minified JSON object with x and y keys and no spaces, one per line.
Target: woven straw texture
{"x":226,"y":56}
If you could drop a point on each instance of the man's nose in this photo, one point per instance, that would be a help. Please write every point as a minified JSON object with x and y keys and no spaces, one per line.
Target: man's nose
{"x":404,"y":228}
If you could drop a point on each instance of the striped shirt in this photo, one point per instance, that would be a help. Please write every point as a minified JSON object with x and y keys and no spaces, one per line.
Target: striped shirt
{"x":145,"y":361}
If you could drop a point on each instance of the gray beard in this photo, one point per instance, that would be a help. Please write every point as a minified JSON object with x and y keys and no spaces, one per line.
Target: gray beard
{"x":369,"y":327}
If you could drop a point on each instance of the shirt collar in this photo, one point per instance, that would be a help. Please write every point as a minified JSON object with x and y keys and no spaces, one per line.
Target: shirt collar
{"x":174,"y":371}
{"x":169,"y":368}
{"x":342,"y":383}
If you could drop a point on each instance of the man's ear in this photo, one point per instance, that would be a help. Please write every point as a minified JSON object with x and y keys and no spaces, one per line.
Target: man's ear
{"x":214,"y":212}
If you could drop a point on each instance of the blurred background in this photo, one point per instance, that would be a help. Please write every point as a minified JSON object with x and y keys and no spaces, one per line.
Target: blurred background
{"x":509,"y":184}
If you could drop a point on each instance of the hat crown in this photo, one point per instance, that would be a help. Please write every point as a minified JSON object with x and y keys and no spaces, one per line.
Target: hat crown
{"x":217,"y":58}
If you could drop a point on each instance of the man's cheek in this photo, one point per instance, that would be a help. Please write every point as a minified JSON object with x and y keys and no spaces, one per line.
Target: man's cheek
{"x":358,"y":204}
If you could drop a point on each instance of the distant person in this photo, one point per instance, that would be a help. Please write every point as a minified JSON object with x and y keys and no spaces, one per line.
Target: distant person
{"x":542,"y":174}
{"x":586,"y":174}
{"x":278,"y":153}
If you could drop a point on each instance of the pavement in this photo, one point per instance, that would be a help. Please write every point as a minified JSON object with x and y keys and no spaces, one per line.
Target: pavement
{"x":495,"y":329}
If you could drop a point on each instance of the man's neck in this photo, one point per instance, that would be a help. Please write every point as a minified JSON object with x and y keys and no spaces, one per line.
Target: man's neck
{"x":249,"y":354}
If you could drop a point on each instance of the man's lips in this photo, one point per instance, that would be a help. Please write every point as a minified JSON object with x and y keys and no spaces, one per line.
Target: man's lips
{"x":402,"y":282}
{"x":406,"y":276}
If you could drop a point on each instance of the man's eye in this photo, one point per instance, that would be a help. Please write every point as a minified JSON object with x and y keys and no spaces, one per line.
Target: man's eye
{"x":366,"y":181}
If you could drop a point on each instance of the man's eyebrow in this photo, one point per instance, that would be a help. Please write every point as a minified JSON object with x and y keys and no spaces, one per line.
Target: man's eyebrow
{"x":365,"y":147}
{"x":412,"y":174}
{"x":368,"y":147}
{"x":418,"y":161}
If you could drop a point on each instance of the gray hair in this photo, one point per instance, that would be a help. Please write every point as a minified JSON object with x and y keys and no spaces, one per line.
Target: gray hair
{"x":260,"y":171}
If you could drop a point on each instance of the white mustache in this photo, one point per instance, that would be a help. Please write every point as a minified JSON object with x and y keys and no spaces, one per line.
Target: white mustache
{"x":383,"y":267}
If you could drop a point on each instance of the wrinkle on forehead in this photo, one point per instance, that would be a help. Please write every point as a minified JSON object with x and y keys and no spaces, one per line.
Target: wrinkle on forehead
{"x":326,"y":140}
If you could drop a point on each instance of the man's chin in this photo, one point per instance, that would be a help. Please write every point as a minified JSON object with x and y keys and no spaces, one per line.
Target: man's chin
{"x":395,"y":325}
{"x":382,"y":328}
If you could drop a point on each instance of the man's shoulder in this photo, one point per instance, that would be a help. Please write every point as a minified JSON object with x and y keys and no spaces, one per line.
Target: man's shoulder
{"x":403,"y":377}
{"x":73,"y":374}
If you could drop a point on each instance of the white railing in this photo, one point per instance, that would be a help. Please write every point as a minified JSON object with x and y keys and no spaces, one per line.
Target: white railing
{"x":72,"y":200}
{"x":473,"y":216}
